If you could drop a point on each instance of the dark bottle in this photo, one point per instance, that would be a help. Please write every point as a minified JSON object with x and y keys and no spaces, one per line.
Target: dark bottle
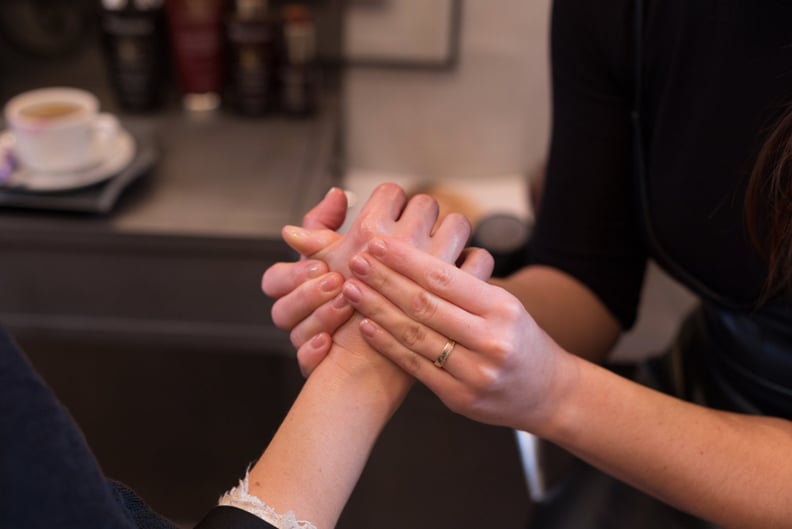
{"x":299,"y":75}
{"x":135,"y":47}
{"x":252,"y":48}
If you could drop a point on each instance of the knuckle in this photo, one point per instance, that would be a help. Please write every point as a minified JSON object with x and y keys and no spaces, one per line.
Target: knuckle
{"x":412,"y":335}
{"x":368,"y":228}
{"x":512,"y":310}
{"x":439,"y":278}
{"x":483,"y":380}
{"x":499,"y":348}
{"x":412,"y":364}
{"x":424,"y":306}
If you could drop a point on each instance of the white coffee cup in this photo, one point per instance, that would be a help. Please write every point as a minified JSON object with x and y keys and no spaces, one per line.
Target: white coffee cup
{"x":59,"y":129}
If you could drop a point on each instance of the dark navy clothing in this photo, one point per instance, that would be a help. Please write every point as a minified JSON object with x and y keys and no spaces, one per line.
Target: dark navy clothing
{"x":49,"y":478}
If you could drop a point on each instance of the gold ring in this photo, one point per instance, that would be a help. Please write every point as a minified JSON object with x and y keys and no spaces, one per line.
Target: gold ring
{"x":445,"y":353}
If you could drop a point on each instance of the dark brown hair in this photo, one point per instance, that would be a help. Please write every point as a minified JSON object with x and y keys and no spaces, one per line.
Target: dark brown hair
{"x":768,"y":206}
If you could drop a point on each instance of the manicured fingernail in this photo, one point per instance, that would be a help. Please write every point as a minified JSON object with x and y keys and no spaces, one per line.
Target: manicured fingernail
{"x":294,"y":232}
{"x":359,"y":265}
{"x":314,"y":270}
{"x":367,"y":328}
{"x":352,"y":293}
{"x":319,"y":341}
{"x":330,"y":284}
{"x":377,"y":248}
{"x":339,"y":302}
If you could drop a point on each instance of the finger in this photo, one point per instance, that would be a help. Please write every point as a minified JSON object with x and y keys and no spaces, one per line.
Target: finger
{"x":407,"y":297}
{"x":387,"y":199}
{"x":298,"y":304}
{"x":414,"y":337}
{"x":441,"y":381}
{"x":308,"y":242}
{"x":419,"y":216}
{"x":450,"y":237}
{"x":327,"y":318}
{"x":477,"y":262}
{"x":282,"y":278}
{"x":438,"y":278}
{"x":312,"y":352}
{"x":329,"y":213}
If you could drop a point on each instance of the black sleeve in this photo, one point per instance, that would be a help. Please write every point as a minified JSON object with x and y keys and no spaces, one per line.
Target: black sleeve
{"x":223,"y":517}
{"x":586,"y":224}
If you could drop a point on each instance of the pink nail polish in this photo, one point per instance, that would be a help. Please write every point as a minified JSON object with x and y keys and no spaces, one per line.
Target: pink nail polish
{"x":352,"y":293}
{"x":339,"y":302}
{"x":359,"y":265}
{"x":318,"y":341}
{"x":329,"y":284}
{"x":367,"y":328}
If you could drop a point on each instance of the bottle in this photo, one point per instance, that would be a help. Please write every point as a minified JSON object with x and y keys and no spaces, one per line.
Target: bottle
{"x":299,"y":79}
{"x":196,"y":30}
{"x":134,"y":44}
{"x":253,"y":53}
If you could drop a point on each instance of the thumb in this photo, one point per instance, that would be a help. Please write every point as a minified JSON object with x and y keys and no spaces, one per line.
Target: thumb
{"x":308,"y":242}
{"x":329,"y":213}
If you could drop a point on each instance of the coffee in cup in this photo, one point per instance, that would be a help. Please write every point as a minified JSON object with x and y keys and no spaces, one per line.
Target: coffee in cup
{"x":59,"y":129}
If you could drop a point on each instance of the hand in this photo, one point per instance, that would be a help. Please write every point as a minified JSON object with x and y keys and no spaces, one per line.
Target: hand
{"x":303,"y":290}
{"x":503,"y":367}
{"x":387,"y":212}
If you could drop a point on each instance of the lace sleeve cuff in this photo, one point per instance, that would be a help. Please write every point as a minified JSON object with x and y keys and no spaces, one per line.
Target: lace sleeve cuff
{"x":240,"y":498}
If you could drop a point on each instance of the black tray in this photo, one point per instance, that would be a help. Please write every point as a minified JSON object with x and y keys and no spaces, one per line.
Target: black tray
{"x":97,"y":198}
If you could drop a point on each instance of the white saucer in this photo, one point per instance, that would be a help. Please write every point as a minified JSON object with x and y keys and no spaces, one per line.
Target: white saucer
{"x":119,"y":155}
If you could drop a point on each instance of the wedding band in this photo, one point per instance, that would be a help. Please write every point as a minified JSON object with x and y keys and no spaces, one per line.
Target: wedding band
{"x":445,"y":353}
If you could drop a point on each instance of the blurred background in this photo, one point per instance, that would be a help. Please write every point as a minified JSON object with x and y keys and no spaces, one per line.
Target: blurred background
{"x":138,"y":297}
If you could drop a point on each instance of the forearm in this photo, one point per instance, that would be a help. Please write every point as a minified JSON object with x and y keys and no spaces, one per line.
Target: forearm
{"x":318,"y":453}
{"x":728,"y":468}
{"x":568,"y":311}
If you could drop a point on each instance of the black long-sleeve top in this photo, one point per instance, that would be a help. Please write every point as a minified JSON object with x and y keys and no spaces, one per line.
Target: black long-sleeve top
{"x":715,"y":76}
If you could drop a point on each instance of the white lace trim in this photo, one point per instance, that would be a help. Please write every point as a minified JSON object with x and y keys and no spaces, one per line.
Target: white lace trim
{"x":240,"y":498}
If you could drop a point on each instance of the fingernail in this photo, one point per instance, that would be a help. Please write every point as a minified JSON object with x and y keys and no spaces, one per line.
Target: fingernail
{"x":330,"y":284}
{"x":377,"y":248}
{"x":314,"y":270}
{"x":359,"y":265}
{"x":293,"y":232}
{"x":318,"y":341}
{"x":367,"y":328}
{"x":352,"y":293}
{"x":339,"y":302}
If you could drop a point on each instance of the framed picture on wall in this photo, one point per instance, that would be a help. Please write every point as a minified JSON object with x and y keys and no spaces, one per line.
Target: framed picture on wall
{"x":402,"y":33}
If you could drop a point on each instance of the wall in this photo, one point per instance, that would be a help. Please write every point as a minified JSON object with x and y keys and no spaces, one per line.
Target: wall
{"x":482,"y":126}
{"x":488,"y":117}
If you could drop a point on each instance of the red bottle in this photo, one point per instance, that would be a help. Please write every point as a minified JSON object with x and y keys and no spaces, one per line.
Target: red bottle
{"x":196,"y":28}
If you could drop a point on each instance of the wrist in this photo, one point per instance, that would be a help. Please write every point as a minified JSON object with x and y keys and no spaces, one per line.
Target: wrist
{"x":551,"y":420}
{"x":352,"y":363}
